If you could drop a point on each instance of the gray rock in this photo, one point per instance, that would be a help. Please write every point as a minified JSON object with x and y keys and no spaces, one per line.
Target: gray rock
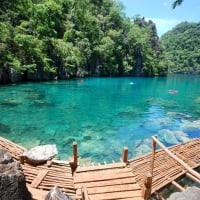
{"x":14,"y":75}
{"x":5,"y":157}
{"x":12,"y":183}
{"x":56,"y":194}
{"x":191,"y":193}
{"x":40,"y":154}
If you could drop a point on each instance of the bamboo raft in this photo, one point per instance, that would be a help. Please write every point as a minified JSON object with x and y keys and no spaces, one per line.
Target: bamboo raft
{"x":124,"y":180}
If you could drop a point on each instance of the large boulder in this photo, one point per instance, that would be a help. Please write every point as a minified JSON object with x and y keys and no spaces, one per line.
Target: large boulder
{"x":40,"y":154}
{"x":191,"y":193}
{"x":12,"y":180}
{"x":56,"y":194}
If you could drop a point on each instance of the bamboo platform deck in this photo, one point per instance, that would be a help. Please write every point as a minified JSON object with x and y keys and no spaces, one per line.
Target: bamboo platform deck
{"x":166,"y":169}
{"x":110,"y":181}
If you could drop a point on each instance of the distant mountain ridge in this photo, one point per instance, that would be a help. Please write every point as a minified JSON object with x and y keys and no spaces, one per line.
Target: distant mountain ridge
{"x":182,"y":47}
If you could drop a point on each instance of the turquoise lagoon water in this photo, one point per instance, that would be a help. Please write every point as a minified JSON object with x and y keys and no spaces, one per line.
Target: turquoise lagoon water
{"x":102,"y":114}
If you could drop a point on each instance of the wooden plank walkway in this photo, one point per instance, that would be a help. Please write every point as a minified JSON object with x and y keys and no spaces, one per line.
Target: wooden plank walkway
{"x":109,"y":181}
{"x":166,"y":169}
{"x":41,"y":178}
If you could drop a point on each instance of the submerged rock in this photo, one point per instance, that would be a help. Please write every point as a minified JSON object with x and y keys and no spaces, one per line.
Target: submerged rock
{"x":87,"y":137}
{"x":56,"y":194}
{"x":10,"y":102}
{"x":4,"y":128}
{"x":43,"y":103}
{"x":191,"y":125}
{"x":40,"y":154}
{"x":68,"y":141}
{"x":197,"y":100}
{"x":142,"y":147}
{"x":173,"y":137}
{"x":128,"y":113}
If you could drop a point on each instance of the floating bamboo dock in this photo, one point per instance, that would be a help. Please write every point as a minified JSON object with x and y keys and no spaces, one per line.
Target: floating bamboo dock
{"x":135,"y":179}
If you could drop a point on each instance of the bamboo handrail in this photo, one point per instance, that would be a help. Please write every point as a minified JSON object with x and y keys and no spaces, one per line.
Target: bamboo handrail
{"x":153,"y":155}
{"x":186,"y":166}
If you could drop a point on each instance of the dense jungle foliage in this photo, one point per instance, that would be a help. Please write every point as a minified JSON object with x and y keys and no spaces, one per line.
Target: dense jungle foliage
{"x":182,"y":46}
{"x":50,"y":39}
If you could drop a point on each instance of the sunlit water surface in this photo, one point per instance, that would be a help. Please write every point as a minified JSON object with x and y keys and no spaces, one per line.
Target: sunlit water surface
{"x":102,"y":114}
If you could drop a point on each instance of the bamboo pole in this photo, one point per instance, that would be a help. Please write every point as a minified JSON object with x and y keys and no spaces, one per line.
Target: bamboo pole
{"x":178,"y":186}
{"x":193,"y":177}
{"x":75,"y":154}
{"x":185,"y":165}
{"x":73,"y":161}
{"x":147,"y":185}
{"x":125,"y":155}
{"x":153,"y":155}
{"x":149,"y":175}
{"x":84,"y":193}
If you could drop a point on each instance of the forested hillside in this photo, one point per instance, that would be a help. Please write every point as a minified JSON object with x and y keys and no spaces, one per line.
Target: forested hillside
{"x":58,"y":39}
{"x":182,"y":45}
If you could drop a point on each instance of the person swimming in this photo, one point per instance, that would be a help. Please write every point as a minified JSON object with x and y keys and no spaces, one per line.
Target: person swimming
{"x":131,"y":83}
{"x":172,"y":91}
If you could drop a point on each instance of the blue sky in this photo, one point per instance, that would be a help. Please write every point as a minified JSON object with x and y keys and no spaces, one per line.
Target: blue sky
{"x":161,"y":12}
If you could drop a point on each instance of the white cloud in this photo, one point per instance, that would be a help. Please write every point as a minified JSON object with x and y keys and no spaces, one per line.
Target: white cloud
{"x":164,"y":25}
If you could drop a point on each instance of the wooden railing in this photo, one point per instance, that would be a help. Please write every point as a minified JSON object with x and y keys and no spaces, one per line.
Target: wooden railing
{"x":185,"y":165}
{"x":73,"y":161}
{"x":195,"y":176}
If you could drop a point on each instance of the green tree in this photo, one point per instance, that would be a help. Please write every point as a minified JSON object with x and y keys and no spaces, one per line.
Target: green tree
{"x":47,"y":39}
{"x":176,"y":3}
{"x":182,"y":48}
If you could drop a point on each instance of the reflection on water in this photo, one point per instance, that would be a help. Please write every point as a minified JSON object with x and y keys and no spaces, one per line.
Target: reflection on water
{"x":102,"y":114}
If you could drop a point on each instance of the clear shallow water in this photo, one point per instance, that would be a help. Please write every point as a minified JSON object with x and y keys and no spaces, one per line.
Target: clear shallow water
{"x":102,"y":114}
